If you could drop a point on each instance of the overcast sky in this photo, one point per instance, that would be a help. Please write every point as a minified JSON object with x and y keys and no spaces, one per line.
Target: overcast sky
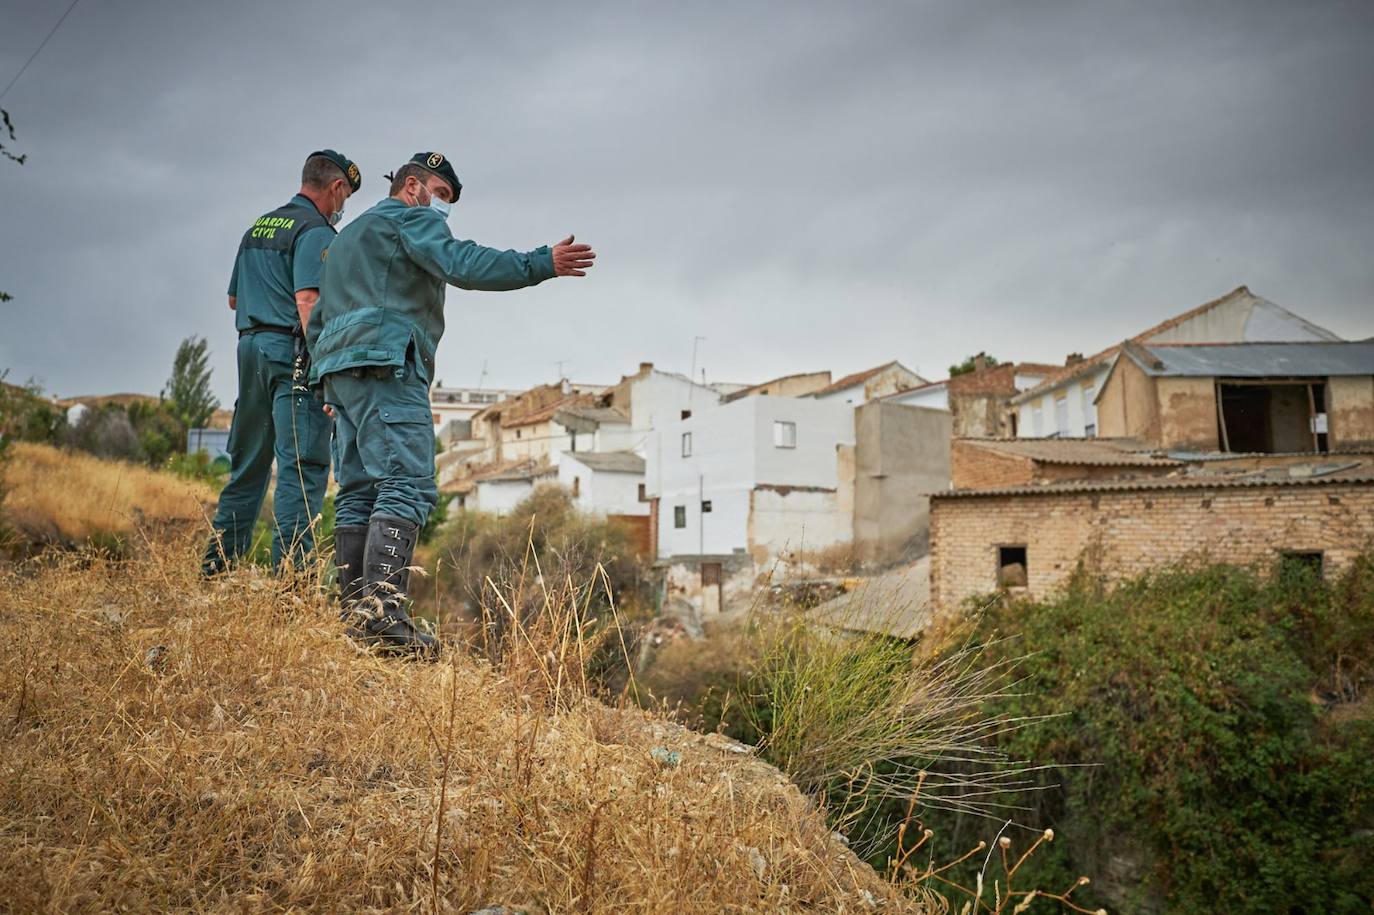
{"x":807,"y":186}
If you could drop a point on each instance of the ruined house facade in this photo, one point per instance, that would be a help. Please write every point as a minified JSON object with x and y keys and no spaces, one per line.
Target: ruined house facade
{"x":1064,"y":405}
{"x":1241,"y":453}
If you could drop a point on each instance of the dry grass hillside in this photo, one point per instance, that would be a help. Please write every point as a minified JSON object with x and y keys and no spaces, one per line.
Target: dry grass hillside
{"x":172,"y":744}
{"x":62,"y":496}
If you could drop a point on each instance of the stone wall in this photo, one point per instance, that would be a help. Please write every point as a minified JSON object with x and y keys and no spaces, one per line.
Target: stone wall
{"x":1120,"y":534}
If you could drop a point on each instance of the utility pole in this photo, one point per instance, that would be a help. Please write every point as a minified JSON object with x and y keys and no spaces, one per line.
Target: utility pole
{"x":692,"y":375}
{"x":558,"y":364}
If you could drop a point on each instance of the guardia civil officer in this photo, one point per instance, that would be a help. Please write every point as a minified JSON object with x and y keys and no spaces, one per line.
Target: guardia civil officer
{"x":274,"y":286}
{"x":372,"y":339}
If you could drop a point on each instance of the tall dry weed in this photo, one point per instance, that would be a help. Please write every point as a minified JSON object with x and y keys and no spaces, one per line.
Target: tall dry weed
{"x":64,"y":496}
{"x":173,"y":744}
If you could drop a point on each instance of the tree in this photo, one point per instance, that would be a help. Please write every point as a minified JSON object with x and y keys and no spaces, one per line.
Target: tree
{"x":188,"y":393}
{"x":973,"y":363}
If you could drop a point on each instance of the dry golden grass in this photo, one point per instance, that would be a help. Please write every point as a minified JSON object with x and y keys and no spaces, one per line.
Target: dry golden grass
{"x":55,"y":495}
{"x":172,"y":744}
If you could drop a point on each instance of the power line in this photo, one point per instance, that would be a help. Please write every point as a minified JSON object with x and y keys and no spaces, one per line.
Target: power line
{"x":40,"y":47}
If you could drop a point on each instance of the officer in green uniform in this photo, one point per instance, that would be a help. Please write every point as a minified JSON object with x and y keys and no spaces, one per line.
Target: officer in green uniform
{"x":274,"y":286}
{"x":372,"y":339}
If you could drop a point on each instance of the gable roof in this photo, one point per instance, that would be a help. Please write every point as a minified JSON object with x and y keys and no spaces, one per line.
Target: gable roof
{"x":858,"y":378}
{"x":754,"y":388}
{"x":1100,"y":360}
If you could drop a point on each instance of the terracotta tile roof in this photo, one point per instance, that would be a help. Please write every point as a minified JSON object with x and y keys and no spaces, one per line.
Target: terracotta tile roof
{"x":1095,"y":452}
{"x":1350,"y":473}
{"x":544,"y":414}
{"x":858,"y":378}
{"x":750,"y":389}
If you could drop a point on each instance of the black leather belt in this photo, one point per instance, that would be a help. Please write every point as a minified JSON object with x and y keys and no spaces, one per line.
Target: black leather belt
{"x":270,"y":329}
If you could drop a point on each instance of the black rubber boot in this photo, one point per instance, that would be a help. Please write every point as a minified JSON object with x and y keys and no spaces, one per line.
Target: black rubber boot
{"x":386,"y":568}
{"x":214,"y":562}
{"x":350,"y":540}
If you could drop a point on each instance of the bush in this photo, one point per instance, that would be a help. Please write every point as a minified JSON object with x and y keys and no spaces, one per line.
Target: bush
{"x":499,"y":569}
{"x":1214,"y":736}
{"x":105,"y":432}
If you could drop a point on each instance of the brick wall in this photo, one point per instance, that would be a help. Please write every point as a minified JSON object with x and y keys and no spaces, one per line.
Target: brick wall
{"x":975,"y":467}
{"x":1121,"y":534}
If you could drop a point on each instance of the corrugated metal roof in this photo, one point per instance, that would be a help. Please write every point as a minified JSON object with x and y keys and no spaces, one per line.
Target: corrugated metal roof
{"x":1097,"y":452}
{"x":609,"y":461}
{"x":1257,"y":360}
{"x":1360,"y":474}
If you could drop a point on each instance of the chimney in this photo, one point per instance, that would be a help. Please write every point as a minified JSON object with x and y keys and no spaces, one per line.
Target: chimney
{"x":1073,"y":359}
{"x":645,"y":368}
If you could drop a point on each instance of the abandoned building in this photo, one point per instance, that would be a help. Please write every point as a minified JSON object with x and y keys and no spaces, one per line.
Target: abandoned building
{"x":1251,"y":453}
{"x":978,"y":401}
{"x":1064,"y":404}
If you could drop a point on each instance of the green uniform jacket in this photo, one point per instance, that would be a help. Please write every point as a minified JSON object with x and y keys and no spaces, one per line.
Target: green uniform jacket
{"x":383,"y":287}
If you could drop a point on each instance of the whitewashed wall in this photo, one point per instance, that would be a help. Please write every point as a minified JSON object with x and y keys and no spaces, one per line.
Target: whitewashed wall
{"x":800,"y":520}
{"x":602,"y":492}
{"x":935,"y":396}
{"x":733,"y":451}
{"x":1079,"y":409}
{"x":500,"y":496}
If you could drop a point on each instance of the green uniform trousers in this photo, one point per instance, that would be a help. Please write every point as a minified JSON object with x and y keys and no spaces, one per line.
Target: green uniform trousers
{"x":271,"y":421}
{"x":383,"y":445}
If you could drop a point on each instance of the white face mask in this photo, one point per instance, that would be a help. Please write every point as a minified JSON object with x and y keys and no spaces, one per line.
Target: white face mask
{"x":440,"y":206}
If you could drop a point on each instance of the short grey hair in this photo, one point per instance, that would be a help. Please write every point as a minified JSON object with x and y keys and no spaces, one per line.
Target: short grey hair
{"x":410,"y":169}
{"x":320,"y":172}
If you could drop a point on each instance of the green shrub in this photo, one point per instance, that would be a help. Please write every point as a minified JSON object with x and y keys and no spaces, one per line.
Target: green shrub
{"x":1214,"y":738}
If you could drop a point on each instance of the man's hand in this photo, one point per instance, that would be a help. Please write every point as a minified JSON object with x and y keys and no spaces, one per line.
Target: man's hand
{"x":572,"y":260}
{"x":233,"y":303}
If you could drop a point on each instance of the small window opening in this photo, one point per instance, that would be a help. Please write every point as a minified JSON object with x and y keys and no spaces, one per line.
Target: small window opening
{"x":705,"y":506}
{"x":642,"y":496}
{"x":577,"y":487}
{"x":686,"y":444}
{"x":679,"y":516}
{"x":1011,"y":567}
{"x":784,"y":434}
{"x":686,"y":414}
{"x":1299,"y":564}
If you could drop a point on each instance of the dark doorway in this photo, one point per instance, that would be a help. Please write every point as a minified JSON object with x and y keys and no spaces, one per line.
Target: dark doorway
{"x":1012,"y":571}
{"x":1272,"y":417}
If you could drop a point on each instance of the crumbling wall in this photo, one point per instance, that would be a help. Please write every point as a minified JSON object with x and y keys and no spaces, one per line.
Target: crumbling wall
{"x":1350,"y":418}
{"x":1187,"y":414}
{"x":1121,"y":534}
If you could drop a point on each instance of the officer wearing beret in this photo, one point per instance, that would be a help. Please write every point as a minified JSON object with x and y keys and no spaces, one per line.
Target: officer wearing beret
{"x":373,"y":338}
{"x":274,"y":286}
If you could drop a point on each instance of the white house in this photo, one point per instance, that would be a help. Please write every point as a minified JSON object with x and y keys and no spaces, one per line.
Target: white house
{"x":609,"y":483}
{"x":448,"y":404}
{"x":758,"y":475}
{"x":499,"y":492}
{"x":1063,"y":405}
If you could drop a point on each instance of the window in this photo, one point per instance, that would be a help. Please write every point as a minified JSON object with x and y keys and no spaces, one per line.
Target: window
{"x":517,"y":433}
{"x":577,"y":487}
{"x":1037,"y":421}
{"x":686,"y":414}
{"x":679,"y":516}
{"x":1089,"y":410}
{"x":1061,"y":416}
{"x":784,"y":434}
{"x":572,"y":440}
{"x":643,"y":497}
{"x":686,"y":444}
{"x":1011,"y":567}
{"x":1300,"y":564}
{"x":705,"y":506}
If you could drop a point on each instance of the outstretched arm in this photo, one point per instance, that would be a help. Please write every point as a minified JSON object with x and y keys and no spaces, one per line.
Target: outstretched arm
{"x":469,"y":265}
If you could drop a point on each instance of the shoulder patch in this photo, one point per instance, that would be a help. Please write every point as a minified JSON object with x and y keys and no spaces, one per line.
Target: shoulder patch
{"x":324,"y":255}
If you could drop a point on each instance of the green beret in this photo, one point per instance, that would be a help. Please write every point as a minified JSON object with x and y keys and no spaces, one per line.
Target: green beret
{"x":439,"y":165}
{"x":345,"y":164}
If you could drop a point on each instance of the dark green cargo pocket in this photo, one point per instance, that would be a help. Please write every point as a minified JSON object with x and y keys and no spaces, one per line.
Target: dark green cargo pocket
{"x":409,"y":437}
